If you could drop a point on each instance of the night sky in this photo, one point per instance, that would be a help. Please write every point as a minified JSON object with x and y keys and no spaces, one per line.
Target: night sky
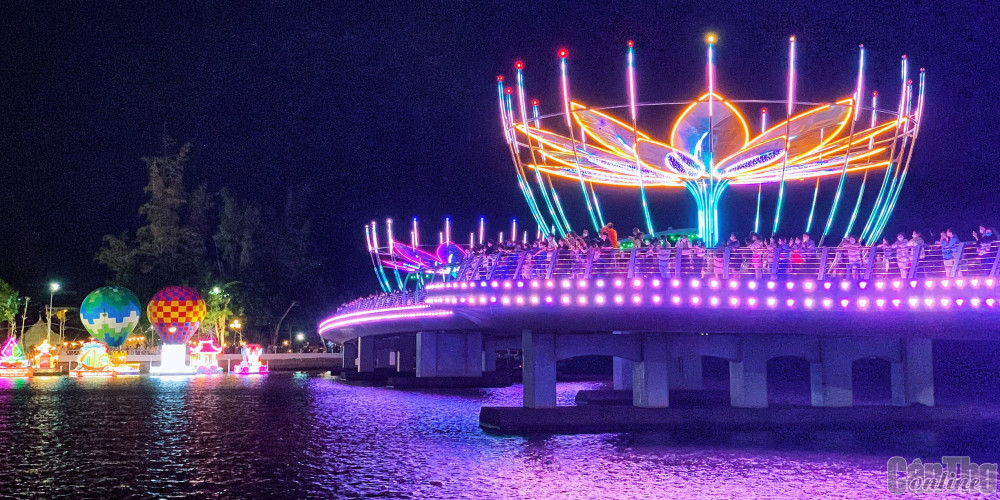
{"x":389,"y":109}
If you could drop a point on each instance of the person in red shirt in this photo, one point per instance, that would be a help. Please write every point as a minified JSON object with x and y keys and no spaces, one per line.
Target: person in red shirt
{"x":609,"y":229}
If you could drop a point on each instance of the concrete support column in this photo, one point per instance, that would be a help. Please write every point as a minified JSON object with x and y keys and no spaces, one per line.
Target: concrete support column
{"x":489,"y":354}
{"x":831,"y":382}
{"x":621,"y":370}
{"x":366,"y":354}
{"x":406,"y":357}
{"x":830,"y":378}
{"x":685,"y":372}
{"x":650,"y":377}
{"x":384,"y":357}
{"x":913,"y":377}
{"x":539,"y":369}
{"x":622,"y":373}
{"x":426,"y":346}
{"x":350,"y":356}
{"x":449,"y":354}
{"x":748,"y":381}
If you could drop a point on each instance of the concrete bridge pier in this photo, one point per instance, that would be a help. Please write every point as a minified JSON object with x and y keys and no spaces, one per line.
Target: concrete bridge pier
{"x":489,"y":354}
{"x":406,"y":354}
{"x":538,"y":356}
{"x":913,"y":375}
{"x":650,"y":376}
{"x":449,"y":354}
{"x":748,"y":382}
{"x":350,"y":356}
{"x":366,"y":354}
{"x":621,"y":370}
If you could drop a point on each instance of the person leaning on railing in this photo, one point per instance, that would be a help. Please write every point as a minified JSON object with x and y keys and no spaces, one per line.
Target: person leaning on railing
{"x":986,"y":239}
{"x":903,"y":252}
{"x":949,"y":244}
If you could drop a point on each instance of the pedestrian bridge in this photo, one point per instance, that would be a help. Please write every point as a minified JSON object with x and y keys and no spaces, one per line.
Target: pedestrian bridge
{"x":659,"y":311}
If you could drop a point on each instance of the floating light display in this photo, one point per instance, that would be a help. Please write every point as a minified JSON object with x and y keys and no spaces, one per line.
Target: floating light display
{"x":205,"y":357}
{"x":251,"y":364}
{"x":13,"y":362}
{"x":44,"y":361}
{"x":110,"y":314}
{"x":93,"y":361}
{"x":175,"y":312}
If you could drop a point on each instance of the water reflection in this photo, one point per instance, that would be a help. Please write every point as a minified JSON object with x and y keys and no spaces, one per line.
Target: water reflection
{"x":313,"y":437}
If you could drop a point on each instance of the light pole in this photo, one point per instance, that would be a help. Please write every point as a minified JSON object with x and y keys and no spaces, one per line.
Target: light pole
{"x":53,"y":288}
{"x":299,"y":337}
{"x":236,"y":326}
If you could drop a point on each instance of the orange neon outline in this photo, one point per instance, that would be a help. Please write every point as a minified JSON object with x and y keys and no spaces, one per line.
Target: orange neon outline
{"x":827,"y":139}
{"x":817,"y":109}
{"x":687,"y":110}
{"x":860,"y":140}
{"x":575,"y":105}
{"x":624,"y":183}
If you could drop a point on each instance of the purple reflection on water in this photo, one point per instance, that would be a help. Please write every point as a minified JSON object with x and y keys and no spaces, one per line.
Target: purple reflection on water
{"x":297,"y":436}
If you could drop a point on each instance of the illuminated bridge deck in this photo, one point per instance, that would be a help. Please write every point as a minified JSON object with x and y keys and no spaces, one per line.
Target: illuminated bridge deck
{"x":827,"y":292}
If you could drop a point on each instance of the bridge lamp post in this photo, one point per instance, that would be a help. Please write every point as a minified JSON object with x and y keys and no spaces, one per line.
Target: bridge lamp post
{"x":53,"y":288}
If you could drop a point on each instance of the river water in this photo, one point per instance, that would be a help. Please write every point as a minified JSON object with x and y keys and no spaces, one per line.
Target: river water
{"x":298,"y":436}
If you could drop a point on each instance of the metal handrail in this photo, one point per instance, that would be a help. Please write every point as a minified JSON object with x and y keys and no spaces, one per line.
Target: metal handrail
{"x":822,"y":263}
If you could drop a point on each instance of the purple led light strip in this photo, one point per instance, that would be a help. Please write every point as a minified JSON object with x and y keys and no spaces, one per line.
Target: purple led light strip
{"x":637,"y":292}
{"x":382,"y":315}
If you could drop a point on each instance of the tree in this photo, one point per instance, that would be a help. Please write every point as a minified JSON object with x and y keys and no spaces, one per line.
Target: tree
{"x":261,"y":260}
{"x":171,"y":246}
{"x":8,"y":305}
{"x":218,"y":303}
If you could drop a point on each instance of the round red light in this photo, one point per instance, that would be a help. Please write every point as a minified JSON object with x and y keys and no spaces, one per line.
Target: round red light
{"x":519,"y":65}
{"x":763,"y":110}
{"x":630,"y":43}
{"x":499,"y":78}
{"x":563,"y":53}
{"x":508,"y":90}
{"x":534,"y":102}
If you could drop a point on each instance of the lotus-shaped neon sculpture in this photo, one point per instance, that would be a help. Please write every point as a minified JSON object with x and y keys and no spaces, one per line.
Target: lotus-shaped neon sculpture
{"x":708,"y":147}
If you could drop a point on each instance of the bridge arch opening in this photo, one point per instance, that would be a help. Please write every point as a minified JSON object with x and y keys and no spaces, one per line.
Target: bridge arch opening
{"x":788,"y":382}
{"x":871,"y":381}
{"x":715,"y":373}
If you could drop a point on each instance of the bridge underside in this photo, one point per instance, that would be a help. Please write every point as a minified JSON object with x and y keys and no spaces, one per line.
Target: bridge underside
{"x":651,"y":364}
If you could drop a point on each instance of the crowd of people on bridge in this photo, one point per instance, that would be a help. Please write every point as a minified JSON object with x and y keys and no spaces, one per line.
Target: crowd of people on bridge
{"x":756,"y":255}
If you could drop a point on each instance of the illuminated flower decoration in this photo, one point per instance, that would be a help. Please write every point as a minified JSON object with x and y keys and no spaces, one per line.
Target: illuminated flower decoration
{"x":817,"y":146}
{"x":708,"y":147}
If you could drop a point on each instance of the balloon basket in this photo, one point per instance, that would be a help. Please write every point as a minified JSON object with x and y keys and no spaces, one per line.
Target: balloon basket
{"x":173,"y":361}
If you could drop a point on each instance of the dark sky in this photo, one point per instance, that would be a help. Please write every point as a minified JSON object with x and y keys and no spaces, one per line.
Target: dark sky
{"x":389,"y":109}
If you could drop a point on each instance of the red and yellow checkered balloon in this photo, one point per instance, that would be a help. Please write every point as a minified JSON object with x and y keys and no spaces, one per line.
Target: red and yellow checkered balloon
{"x":175,"y":312}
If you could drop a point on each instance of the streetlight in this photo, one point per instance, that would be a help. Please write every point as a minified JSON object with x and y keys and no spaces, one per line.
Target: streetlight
{"x":53,"y":288}
{"x":236,"y":325}
{"x":299,"y":337}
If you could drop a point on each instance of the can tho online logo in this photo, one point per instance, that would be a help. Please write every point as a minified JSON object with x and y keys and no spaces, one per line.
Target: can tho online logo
{"x":953,"y":474}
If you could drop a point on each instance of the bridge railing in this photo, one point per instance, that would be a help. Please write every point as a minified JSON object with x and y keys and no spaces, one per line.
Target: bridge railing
{"x":823,"y":263}
{"x":842,"y":262}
